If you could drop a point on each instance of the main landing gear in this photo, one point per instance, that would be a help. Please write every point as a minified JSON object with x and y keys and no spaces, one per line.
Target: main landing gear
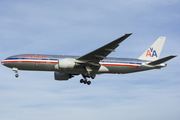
{"x":85,"y":81}
{"x":16,"y":71}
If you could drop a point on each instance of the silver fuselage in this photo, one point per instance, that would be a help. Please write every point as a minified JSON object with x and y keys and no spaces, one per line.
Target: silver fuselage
{"x":39,"y":62}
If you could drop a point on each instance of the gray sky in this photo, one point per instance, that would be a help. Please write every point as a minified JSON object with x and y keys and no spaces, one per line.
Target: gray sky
{"x":76,"y":28}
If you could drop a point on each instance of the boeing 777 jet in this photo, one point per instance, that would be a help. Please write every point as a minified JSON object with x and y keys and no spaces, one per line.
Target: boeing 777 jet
{"x":91,"y":64}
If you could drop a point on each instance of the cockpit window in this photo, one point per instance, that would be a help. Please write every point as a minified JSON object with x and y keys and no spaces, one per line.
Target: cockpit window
{"x":7,"y":58}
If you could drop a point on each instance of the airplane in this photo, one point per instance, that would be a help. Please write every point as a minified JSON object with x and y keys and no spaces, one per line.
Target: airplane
{"x":91,"y":64}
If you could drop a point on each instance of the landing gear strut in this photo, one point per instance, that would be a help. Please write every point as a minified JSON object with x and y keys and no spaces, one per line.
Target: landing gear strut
{"x":16,"y":71}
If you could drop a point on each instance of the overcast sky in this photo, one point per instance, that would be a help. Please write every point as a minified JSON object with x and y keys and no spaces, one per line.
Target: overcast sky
{"x":76,"y":27}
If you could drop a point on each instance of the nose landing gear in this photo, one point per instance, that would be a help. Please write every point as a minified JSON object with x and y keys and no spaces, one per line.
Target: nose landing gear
{"x":16,"y":71}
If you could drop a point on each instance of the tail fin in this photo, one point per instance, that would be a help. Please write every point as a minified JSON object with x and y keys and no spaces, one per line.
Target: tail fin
{"x":153,"y":52}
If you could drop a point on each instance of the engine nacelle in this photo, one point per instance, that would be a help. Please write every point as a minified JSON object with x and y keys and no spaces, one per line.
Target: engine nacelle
{"x":62,"y":76}
{"x":66,"y":63}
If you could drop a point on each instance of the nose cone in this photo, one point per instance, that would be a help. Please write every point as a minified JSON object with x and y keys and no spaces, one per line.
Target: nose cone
{"x":2,"y":62}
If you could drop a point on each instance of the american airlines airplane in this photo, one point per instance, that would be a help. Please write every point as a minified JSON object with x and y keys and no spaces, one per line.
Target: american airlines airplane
{"x":91,"y":64}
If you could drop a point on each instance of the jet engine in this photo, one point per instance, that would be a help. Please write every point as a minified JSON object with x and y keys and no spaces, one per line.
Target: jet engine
{"x":62,"y":76}
{"x":66,"y":63}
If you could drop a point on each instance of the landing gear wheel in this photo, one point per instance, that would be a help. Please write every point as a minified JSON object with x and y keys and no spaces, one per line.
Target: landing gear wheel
{"x":81,"y":81}
{"x":85,"y":81}
{"x":89,"y":82}
{"x":16,"y":75}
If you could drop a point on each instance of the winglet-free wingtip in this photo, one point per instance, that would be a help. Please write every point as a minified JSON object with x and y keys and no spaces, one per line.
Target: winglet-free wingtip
{"x":174,"y":55}
{"x":128,"y":33}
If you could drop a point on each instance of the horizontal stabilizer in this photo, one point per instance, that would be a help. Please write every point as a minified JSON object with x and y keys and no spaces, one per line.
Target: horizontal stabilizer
{"x":156,"y":62}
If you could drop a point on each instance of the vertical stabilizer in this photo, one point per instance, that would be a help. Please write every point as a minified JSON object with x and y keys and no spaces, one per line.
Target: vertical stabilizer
{"x":153,"y":52}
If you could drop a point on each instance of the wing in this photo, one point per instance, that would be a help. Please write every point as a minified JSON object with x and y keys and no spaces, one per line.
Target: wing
{"x":101,"y":53}
{"x":91,"y":60}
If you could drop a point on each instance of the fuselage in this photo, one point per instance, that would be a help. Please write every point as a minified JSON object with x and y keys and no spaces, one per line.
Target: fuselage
{"x":41,"y":62}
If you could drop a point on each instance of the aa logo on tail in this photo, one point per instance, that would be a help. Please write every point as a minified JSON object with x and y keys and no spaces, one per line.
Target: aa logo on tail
{"x":151,"y":52}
